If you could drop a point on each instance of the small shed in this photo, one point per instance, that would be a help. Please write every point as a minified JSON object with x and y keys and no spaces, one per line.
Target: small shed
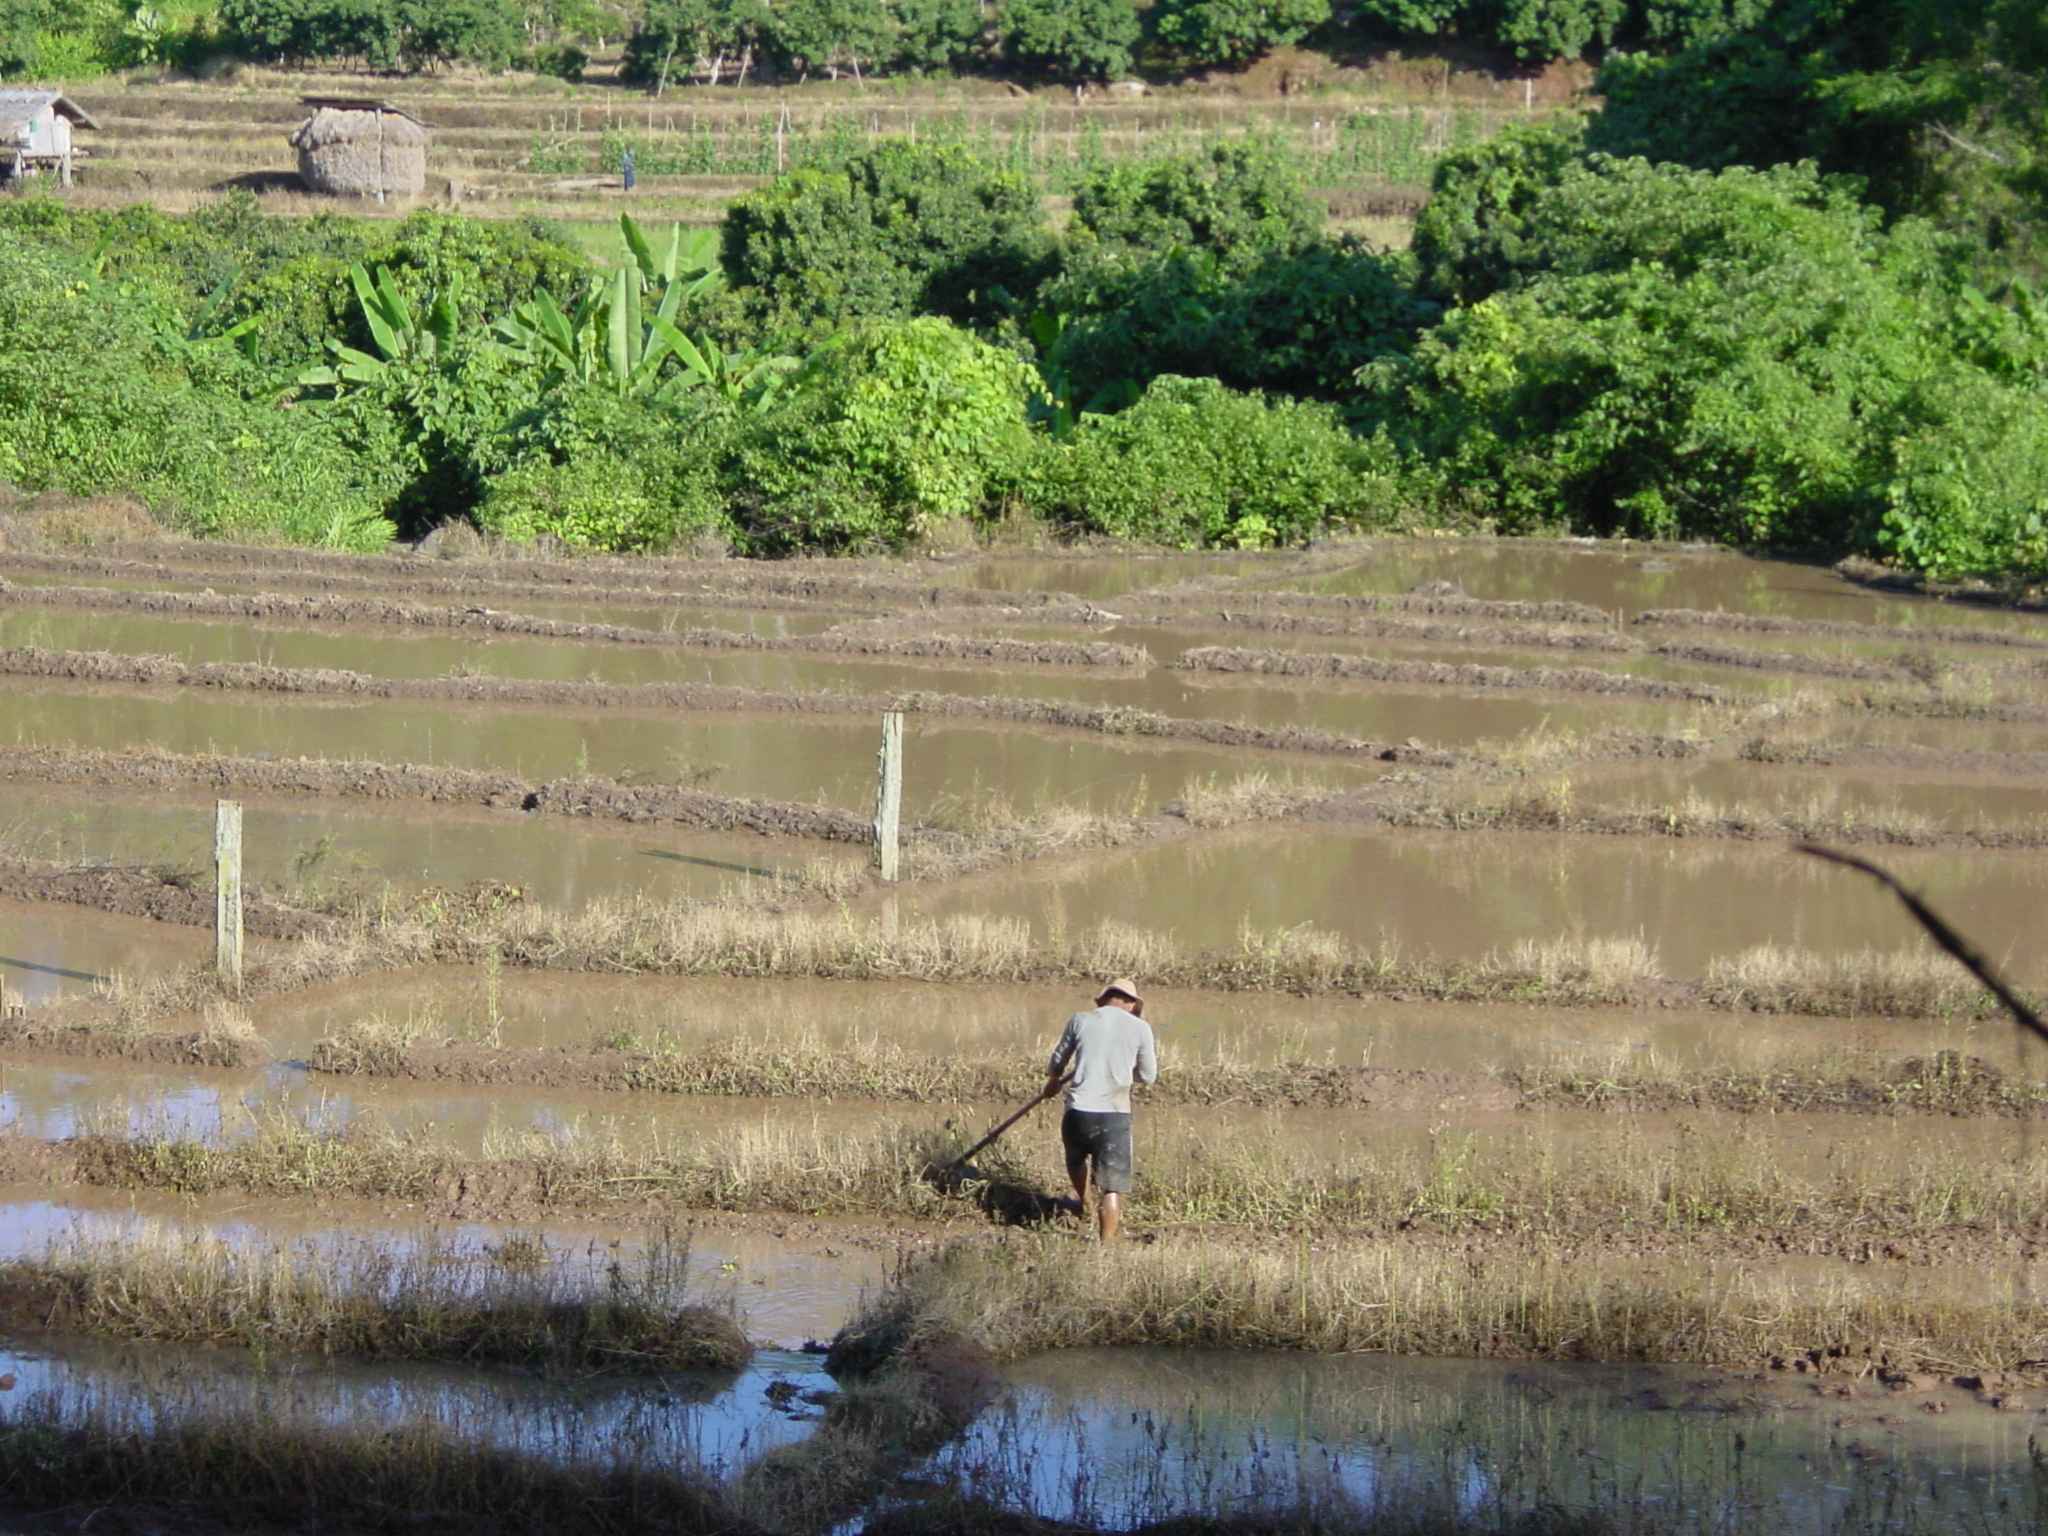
{"x":35,"y":133}
{"x":358,"y":146}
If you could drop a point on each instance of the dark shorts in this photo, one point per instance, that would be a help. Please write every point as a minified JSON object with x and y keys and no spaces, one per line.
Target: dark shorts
{"x":1104,"y":1141}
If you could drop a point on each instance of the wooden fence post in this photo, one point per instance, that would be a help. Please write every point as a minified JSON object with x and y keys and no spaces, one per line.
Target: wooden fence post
{"x":227,"y":891}
{"x":889,"y":798}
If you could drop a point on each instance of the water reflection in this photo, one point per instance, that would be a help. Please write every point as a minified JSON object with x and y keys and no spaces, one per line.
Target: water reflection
{"x":1113,"y":1437}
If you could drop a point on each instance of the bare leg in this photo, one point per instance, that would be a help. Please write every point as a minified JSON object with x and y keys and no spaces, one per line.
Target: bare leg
{"x":1078,"y":1173}
{"x":1109,"y":1212}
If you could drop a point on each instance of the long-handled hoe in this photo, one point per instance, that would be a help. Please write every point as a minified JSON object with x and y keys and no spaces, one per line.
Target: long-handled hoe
{"x":950,"y":1176}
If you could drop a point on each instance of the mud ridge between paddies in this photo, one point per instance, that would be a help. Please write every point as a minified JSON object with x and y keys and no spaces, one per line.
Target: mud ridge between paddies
{"x":363,"y":610}
{"x":609,"y":799}
{"x":1836,"y":629}
{"x":136,"y":891}
{"x":1441,"y":674}
{"x":140,"y":670}
{"x":1945,"y":1083}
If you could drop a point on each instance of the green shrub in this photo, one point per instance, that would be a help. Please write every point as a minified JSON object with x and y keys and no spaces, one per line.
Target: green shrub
{"x":902,"y":229}
{"x":1682,"y":354}
{"x":600,"y":471}
{"x":95,"y":398}
{"x":1968,"y":493}
{"x":901,"y":424}
{"x":1297,"y":322}
{"x":1194,"y":463}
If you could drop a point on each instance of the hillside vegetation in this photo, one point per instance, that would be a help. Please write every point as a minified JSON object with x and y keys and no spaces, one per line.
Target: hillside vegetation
{"x":1776,"y":291}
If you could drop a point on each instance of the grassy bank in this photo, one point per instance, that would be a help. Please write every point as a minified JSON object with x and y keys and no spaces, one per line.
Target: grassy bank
{"x":1019,"y":1297}
{"x":1944,"y":1082}
{"x":1860,"y":1188}
{"x":518,"y":1303}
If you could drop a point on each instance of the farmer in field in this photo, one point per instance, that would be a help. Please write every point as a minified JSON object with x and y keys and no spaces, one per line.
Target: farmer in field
{"x":1100,"y":1054}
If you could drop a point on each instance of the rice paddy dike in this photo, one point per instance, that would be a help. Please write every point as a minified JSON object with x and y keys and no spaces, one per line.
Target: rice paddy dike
{"x":1515,"y":1069}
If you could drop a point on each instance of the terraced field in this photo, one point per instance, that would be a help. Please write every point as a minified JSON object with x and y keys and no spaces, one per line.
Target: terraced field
{"x":1519,"y":1080}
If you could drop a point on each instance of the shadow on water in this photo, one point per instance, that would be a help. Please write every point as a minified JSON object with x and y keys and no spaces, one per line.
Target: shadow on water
{"x":721,"y":864}
{"x":10,"y":963}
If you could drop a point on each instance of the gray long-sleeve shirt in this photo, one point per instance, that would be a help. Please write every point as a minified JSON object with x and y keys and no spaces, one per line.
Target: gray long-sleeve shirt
{"x":1109,"y":1050}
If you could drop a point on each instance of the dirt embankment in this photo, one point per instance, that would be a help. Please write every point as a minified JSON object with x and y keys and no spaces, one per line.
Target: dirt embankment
{"x":1859,"y":754}
{"x":1836,"y":629}
{"x":593,"y":579}
{"x":706,"y":698}
{"x":1388,"y":627}
{"x":39,"y":1035}
{"x":1433,"y":604}
{"x":1785,"y":661}
{"x":279,"y":607}
{"x":1319,"y":664}
{"x":604,"y":798}
{"x":139,"y":892}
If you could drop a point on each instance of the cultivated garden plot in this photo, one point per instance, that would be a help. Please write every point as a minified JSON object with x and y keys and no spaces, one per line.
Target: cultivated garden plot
{"x":1515,"y":1073}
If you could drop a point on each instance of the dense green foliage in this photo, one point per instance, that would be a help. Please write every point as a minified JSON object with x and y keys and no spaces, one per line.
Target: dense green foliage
{"x":384,"y":34}
{"x":900,"y":230}
{"x":1780,"y":290}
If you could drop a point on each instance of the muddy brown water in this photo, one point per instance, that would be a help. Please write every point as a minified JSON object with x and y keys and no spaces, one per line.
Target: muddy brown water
{"x":830,"y":761}
{"x":1630,"y":580}
{"x":49,"y":951}
{"x":1464,"y":895}
{"x":542,"y":1009}
{"x":313,"y":843}
{"x":1435,"y":715}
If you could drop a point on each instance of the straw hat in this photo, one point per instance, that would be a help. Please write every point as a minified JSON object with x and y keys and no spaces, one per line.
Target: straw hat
{"x":1122,"y":986}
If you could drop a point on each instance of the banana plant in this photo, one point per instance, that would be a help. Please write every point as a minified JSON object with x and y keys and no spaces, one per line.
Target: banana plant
{"x":398,"y":332}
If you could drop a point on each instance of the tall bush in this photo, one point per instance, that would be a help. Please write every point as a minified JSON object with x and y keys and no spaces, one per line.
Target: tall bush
{"x":1193,"y":463}
{"x":901,"y":229}
{"x":901,"y":424}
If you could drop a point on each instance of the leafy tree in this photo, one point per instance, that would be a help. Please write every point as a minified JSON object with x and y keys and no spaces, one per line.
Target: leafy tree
{"x":1934,"y":104}
{"x":1236,"y":200}
{"x":1079,"y":39}
{"x":1235,"y":31}
{"x":937,"y":35}
{"x":1409,"y":18}
{"x":1536,"y":30}
{"x":1474,"y":234}
{"x":904,"y":228}
{"x":671,"y":36}
{"x":807,"y":35}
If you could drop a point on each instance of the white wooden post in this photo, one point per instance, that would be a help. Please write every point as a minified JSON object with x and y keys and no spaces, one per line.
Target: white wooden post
{"x":227,"y":891}
{"x":889,"y":798}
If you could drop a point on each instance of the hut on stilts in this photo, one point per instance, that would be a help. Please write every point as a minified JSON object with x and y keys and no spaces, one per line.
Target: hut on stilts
{"x":357,"y":146}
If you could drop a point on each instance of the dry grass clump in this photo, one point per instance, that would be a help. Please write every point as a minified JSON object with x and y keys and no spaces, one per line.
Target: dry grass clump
{"x":1212,"y":802}
{"x":518,"y":1304}
{"x":1914,"y":984}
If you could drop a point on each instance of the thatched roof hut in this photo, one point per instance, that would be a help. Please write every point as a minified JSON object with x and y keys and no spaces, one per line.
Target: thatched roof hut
{"x":356,"y":146}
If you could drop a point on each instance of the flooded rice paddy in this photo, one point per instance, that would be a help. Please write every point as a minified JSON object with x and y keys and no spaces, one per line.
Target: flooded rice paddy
{"x":1857,"y":1147}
